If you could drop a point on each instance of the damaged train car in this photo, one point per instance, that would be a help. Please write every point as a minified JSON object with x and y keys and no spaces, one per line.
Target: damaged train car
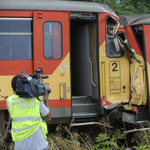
{"x":135,"y":29}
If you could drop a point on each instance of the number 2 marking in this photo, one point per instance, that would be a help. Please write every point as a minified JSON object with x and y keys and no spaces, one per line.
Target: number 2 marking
{"x":114,"y":69}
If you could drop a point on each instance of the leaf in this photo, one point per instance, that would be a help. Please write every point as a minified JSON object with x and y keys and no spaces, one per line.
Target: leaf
{"x":95,"y":147}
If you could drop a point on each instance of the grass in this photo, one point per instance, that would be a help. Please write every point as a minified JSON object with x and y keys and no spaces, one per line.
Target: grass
{"x":82,"y":141}
{"x":72,"y":141}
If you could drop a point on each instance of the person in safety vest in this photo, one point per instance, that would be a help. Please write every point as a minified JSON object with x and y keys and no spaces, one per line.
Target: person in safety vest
{"x":28,"y":115}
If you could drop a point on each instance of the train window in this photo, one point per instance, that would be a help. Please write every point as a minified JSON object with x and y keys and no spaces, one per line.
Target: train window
{"x":15,"y":38}
{"x":138,"y":34}
{"x":52,"y":40}
{"x":113,"y":49}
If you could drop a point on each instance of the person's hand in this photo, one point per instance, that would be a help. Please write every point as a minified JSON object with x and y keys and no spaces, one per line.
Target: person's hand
{"x":47,"y":85}
{"x":48,"y":88}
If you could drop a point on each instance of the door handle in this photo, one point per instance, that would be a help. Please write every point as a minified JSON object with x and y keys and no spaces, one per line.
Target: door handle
{"x":92,"y":73}
{"x":62,"y":97}
{"x":103,"y":79}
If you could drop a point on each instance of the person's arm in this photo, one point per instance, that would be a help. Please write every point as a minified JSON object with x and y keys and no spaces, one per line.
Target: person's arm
{"x":48,"y":116}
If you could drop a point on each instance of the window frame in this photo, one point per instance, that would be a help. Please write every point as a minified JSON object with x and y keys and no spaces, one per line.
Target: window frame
{"x":61,"y":36}
{"x":18,"y":33}
{"x":107,"y":39}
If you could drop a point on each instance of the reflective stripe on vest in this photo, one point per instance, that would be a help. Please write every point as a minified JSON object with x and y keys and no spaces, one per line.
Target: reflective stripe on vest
{"x":26,"y":119}
{"x":19,"y":130}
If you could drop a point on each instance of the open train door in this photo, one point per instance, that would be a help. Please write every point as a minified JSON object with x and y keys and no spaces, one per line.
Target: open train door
{"x":51,"y":53}
{"x":146,"y":30}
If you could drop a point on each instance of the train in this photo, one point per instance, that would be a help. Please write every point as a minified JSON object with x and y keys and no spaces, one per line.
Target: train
{"x":96,"y":61}
{"x":136,"y":29}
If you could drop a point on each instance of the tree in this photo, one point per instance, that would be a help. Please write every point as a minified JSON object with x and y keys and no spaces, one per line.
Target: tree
{"x":141,"y":7}
{"x":121,"y":7}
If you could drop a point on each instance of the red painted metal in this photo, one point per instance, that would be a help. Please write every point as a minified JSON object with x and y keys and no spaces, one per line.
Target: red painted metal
{"x":135,"y":110}
{"x":105,"y":102}
{"x":53,"y":104}
{"x":60,"y":103}
{"x":16,"y":13}
{"x":14,"y":67}
{"x":147,"y":42}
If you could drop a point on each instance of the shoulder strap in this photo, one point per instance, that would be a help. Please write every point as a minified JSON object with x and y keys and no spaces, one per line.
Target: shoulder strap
{"x":29,"y":78}
{"x":45,"y":91}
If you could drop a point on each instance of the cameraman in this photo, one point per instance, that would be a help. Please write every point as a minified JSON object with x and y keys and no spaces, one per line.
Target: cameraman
{"x":28,"y":115}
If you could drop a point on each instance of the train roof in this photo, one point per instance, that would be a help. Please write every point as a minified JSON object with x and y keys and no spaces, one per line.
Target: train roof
{"x":132,"y":19}
{"x":55,"y":5}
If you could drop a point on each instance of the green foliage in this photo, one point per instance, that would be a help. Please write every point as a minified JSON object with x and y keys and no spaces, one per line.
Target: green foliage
{"x":118,"y":134}
{"x":82,"y":141}
{"x":122,"y":7}
{"x":103,"y":143}
{"x":128,"y":6}
{"x":145,"y":147}
{"x":51,"y":135}
{"x":142,"y":138}
{"x":141,"y":6}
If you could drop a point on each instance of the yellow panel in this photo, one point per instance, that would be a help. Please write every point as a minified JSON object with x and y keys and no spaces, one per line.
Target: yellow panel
{"x":138,"y":83}
{"x":5,"y":86}
{"x":61,"y":75}
{"x":117,"y":77}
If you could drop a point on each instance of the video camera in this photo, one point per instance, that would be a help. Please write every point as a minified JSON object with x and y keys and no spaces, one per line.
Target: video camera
{"x":32,"y":85}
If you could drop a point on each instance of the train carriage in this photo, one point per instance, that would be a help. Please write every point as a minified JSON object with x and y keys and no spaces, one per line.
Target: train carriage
{"x":136,"y":29}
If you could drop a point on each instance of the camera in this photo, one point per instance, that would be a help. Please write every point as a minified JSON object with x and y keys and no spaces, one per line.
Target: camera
{"x":32,"y":85}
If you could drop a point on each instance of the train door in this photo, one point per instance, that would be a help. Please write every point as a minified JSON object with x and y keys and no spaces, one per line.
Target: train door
{"x":51,"y":53}
{"x":114,"y":65}
{"x":84,"y":65}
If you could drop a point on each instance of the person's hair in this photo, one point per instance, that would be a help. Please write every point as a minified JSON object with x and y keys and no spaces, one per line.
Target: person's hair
{"x":14,"y":81}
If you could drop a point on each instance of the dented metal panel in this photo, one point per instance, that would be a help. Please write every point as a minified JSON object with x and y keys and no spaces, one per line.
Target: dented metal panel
{"x":132,"y":19}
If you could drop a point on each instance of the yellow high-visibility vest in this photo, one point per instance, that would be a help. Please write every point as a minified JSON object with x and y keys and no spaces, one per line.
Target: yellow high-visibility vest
{"x":26,"y":119}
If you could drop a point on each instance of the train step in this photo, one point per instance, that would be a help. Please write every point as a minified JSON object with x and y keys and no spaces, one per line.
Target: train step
{"x":82,"y":105}
{"x":81,"y":99}
{"x":84,"y":115}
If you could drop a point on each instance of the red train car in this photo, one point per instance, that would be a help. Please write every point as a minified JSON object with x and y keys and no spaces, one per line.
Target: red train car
{"x":135,"y":28}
